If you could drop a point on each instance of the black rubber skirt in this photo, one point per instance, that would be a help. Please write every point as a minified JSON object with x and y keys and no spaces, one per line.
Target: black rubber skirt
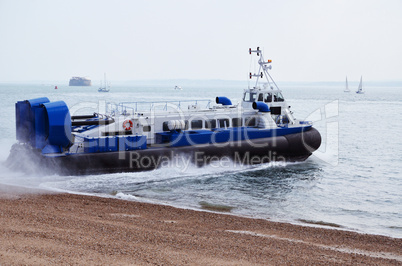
{"x":289,"y":148}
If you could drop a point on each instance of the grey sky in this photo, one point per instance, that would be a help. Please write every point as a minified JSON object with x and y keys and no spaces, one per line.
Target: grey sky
{"x":135,"y":40}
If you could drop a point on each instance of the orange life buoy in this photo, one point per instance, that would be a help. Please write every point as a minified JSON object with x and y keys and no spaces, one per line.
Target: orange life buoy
{"x":127,"y":125}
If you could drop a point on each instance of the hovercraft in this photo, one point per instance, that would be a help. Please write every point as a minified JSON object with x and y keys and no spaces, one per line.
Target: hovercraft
{"x":129,"y":138}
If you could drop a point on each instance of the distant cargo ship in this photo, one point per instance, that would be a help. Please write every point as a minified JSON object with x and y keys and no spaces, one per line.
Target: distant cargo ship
{"x":80,"y":81}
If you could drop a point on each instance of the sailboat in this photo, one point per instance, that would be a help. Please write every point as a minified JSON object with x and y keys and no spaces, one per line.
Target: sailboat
{"x":105,"y":87}
{"x":347,"y":86}
{"x":360,"y":88}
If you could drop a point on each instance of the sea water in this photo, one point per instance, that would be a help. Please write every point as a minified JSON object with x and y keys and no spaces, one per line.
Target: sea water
{"x":353,"y":182}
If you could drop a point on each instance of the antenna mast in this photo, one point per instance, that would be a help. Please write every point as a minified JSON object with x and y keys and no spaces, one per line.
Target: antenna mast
{"x":263,"y":69}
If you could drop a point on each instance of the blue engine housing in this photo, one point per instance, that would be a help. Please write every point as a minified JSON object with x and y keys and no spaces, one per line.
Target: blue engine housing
{"x":43,"y":125}
{"x":223,"y":100}
{"x":261,"y":107}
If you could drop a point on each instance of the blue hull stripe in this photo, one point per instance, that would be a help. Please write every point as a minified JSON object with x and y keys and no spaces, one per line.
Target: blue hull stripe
{"x":195,"y":137}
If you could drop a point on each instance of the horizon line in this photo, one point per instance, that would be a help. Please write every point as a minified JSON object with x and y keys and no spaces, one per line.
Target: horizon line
{"x":38,"y":81}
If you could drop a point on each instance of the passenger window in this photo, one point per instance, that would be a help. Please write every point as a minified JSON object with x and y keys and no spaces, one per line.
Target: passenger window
{"x":236,"y":122}
{"x":260,"y":97}
{"x":196,"y":124}
{"x":165,"y":126}
{"x":210,"y":123}
{"x":250,"y":122}
{"x":146,"y":128}
{"x":223,"y":123}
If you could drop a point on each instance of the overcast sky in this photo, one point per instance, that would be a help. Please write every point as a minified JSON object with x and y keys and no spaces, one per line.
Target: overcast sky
{"x":160,"y":39}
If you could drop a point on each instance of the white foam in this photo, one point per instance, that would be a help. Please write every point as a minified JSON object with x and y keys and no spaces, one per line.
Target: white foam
{"x":124,"y":196}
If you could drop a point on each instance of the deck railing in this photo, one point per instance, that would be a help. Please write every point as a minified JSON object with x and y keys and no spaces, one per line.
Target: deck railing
{"x":130,"y":108}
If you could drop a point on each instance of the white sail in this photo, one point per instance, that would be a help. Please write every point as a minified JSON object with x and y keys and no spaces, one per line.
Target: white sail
{"x":347,"y":86}
{"x":105,"y":87}
{"x":360,"y":88}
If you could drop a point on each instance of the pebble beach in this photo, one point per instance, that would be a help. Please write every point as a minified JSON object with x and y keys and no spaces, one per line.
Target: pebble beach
{"x":42,"y":228}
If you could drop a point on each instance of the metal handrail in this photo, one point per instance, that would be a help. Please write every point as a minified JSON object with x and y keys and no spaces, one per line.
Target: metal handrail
{"x":123,"y":106}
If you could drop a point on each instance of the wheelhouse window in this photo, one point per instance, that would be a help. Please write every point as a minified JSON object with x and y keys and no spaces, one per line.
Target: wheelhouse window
{"x":278,"y":97}
{"x":250,"y":97}
{"x":236,"y":122}
{"x":268,"y":97}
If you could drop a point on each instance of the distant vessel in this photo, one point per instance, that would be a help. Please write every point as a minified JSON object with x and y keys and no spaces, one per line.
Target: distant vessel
{"x":105,"y":87}
{"x":177,"y":88}
{"x":80,"y":81}
{"x":360,"y":88}
{"x":347,"y":87}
